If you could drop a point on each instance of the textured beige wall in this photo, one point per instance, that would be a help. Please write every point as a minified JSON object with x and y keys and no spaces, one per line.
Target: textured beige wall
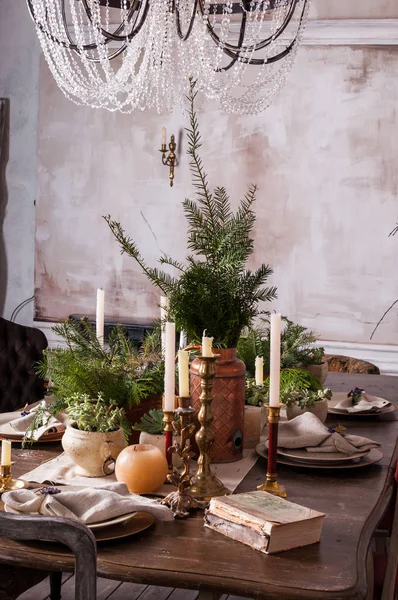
{"x":324,"y":158}
{"x":354,"y":9}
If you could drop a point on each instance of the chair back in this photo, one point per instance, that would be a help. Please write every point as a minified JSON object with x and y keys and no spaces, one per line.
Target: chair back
{"x":21,"y":347}
{"x":79,"y":539}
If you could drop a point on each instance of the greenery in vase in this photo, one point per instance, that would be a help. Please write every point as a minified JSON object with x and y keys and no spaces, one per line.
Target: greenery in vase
{"x":305,"y":399}
{"x":255,"y":395}
{"x":297,"y":347}
{"x":122,"y":374}
{"x":151,"y":422}
{"x":214,"y":290}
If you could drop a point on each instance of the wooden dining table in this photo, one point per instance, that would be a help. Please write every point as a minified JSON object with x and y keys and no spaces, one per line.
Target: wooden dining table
{"x":185,"y":554}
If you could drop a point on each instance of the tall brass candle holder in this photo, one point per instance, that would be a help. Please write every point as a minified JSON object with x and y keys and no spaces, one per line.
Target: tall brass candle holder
{"x":168,"y":420}
{"x":7,"y":483}
{"x":181,"y":501}
{"x":205,"y":484}
{"x":271,"y":484}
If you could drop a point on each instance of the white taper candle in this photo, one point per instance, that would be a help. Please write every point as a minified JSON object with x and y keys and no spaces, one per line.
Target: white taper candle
{"x":259,"y":373}
{"x":169,"y":366}
{"x":183,"y":373}
{"x":275,"y":360}
{"x":5,"y":453}
{"x":99,"y":316}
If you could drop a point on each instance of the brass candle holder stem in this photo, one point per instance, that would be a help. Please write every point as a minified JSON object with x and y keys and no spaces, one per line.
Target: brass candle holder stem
{"x":181,"y":501}
{"x":206,"y":484}
{"x":168,"y":419}
{"x":271,"y":484}
{"x":7,"y":483}
{"x":171,"y":159}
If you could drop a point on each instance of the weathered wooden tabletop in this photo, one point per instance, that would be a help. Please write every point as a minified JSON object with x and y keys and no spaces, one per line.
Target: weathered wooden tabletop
{"x":186,"y":555}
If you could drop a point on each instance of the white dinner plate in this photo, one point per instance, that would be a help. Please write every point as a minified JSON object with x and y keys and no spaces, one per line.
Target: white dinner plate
{"x":302,"y":456}
{"x":374,"y":456}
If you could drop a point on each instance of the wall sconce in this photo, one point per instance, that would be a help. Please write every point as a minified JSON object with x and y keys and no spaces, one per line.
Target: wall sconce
{"x":171,"y":159}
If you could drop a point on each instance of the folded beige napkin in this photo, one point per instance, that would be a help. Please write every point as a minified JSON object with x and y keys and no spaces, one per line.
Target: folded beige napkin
{"x":307,"y":431}
{"x":366,"y":403}
{"x":23,"y":421}
{"x":89,"y":505}
{"x":15,"y":424}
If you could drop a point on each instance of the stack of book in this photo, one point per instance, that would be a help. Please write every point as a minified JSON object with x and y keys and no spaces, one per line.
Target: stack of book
{"x":264,"y":522}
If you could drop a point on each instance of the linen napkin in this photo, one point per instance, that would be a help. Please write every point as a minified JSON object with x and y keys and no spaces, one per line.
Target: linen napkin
{"x":366,"y":403}
{"x":307,"y":431}
{"x":89,"y":505}
{"x":15,"y":423}
{"x":50,"y":423}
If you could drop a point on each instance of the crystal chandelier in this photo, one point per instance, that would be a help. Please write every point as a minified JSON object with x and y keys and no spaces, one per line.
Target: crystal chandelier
{"x":139,"y":54}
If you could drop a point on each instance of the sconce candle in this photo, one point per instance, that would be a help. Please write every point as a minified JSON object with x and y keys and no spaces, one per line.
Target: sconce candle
{"x":164,"y":136}
{"x":259,"y":373}
{"x":169,"y":366}
{"x":207,"y":343}
{"x":5,"y":453}
{"x":183,"y":373}
{"x":142,"y":467}
{"x":275,"y":360}
{"x":99,"y":318}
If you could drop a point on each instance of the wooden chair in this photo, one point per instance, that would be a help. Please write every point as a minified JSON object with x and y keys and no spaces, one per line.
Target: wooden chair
{"x":385,"y":564}
{"x":79,"y":539}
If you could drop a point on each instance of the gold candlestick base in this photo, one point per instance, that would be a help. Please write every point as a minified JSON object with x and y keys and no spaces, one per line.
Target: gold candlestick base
{"x":181,"y":502}
{"x":271,"y":486}
{"x":206,"y":484}
{"x":7,"y":483}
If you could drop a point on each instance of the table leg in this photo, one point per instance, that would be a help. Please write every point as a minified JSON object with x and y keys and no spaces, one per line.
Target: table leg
{"x":55,"y":585}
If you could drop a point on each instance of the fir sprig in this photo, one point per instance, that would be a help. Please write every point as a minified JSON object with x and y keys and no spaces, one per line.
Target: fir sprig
{"x":213,"y":290}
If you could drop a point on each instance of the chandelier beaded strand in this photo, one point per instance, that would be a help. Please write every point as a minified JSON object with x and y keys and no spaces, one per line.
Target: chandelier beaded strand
{"x":139,"y":54}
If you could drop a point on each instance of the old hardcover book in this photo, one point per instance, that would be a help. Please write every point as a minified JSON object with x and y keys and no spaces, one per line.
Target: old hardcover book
{"x":264,"y":522}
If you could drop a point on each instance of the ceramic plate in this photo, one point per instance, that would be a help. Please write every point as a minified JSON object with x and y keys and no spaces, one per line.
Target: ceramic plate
{"x":374,"y":456}
{"x":46,"y":437}
{"x":113,"y":528}
{"x":323,"y":458}
{"x":339,"y":396}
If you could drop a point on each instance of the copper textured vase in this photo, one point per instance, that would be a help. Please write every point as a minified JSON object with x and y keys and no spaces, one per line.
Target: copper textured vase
{"x":228,"y":404}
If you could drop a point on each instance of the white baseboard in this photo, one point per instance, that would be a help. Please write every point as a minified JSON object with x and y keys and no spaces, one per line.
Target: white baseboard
{"x":382,"y":355}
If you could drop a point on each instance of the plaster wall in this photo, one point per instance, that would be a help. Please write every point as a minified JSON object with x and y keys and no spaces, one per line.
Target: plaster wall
{"x":19,"y":75}
{"x":323,"y":158}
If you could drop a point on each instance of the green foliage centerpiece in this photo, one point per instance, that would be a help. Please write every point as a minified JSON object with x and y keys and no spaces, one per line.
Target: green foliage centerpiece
{"x":213,"y":290}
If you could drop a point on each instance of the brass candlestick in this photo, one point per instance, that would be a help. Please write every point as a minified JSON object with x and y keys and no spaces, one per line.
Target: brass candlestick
{"x":271,"y":484}
{"x":168,"y":419}
{"x":7,"y":483}
{"x":205,"y":484}
{"x":181,"y":501}
{"x":171,"y":159}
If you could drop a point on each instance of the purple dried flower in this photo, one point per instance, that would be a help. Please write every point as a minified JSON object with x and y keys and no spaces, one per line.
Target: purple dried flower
{"x":50,"y":491}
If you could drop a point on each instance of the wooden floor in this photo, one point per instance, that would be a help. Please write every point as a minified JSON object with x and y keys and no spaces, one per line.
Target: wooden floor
{"x":116,"y":590}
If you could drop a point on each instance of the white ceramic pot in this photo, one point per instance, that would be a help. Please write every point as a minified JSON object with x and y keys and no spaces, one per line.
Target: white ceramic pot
{"x":319,"y":371}
{"x":255,"y":421}
{"x":319,"y":409}
{"x":90,"y":449}
{"x":159,"y":442}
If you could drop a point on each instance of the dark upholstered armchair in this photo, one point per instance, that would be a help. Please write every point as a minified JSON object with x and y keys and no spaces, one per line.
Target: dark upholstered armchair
{"x":20,"y":348}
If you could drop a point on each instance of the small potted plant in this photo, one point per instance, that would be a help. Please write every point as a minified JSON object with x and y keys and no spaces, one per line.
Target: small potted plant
{"x":298,"y":350}
{"x":123,"y":375}
{"x":255,"y":413}
{"x":299,"y":401}
{"x":151,"y":428}
{"x":95,"y":432}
